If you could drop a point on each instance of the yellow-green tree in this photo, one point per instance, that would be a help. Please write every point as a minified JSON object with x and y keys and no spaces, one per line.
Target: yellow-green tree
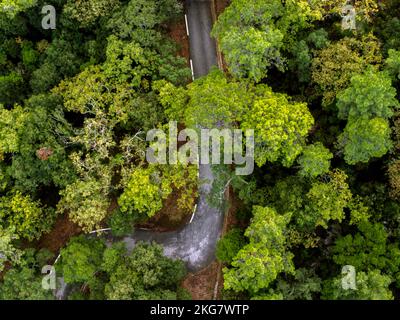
{"x":259,"y":263}
{"x":281,"y":127}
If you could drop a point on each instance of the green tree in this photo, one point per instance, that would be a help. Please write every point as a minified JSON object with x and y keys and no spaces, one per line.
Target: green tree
{"x":86,"y":202}
{"x":251,"y":52}
{"x":287,"y":195}
{"x":147,"y":188}
{"x":214,"y":101}
{"x":144,"y":274}
{"x":334,"y":66}
{"x":28,"y":218}
{"x":392,"y":64}
{"x":13,"y":7}
{"x":252,"y":38}
{"x":229,"y":245}
{"x":281,"y":127}
{"x":367,"y":250}
{"x":40,"y":156}
{"x":8,"y":250}
{"x":325,"y":201}
{"x":258,"y":263}
{"x":10,"y":122}
{"x":366,"y":9}
{"x":370,"y":285}
{"x":86,"y":12}
{"x":301,"y":62}
{"x":11,"y":87}
{"x":140,"y":20}
{"x":315,"y":160}
{"x":364,"y":139}
{"x":81,"y":259}
{"x":23,"y":284}
{"x":369,"y":95}
{"x":303,"y":285}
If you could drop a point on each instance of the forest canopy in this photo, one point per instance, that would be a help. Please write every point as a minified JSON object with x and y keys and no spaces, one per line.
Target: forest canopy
{"x":77,"y":101}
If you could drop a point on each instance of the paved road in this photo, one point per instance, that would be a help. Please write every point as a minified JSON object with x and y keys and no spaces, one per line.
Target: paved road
{"x":195,"y":242}
{"x":202,"y":48}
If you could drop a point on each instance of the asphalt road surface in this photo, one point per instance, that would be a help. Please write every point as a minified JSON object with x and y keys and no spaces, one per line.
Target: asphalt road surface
{"x":202,"y":48}
{"x":195,"y":242}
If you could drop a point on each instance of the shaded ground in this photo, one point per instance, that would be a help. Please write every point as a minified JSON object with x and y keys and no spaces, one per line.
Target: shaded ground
{"x":170,"y":217}
{"x":201,"y":284}
{"x":230,"y":222}
{"x":220,"y":5}
{"x":177,"y":31}
{"x":58,"y":237}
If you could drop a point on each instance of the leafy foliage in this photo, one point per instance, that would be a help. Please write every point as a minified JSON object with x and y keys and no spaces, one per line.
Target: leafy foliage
{"x":364,"y":139}
{"x":81,"y":259}
{"x":229,"y":245}
{"x":144,"y":275}
{"x":258,"y":263}
{"x":23,"y":285}
{"x":26,"y":216}
{"x":370,"y":285}
{"x":326,"y":201}
{"x":253,"y":37}
{"x":148,"y":187}
{"x":281,"y":133}
{"x":367,"y":250}
{"x":315,"y":160}
{"x":369,"y":95}
{"x":334,"y":66}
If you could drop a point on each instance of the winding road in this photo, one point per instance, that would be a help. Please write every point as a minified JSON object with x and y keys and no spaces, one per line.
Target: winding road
{"x":195,"y":242}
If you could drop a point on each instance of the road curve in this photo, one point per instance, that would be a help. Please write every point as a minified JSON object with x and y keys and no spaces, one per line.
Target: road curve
{"x":195,"y":242}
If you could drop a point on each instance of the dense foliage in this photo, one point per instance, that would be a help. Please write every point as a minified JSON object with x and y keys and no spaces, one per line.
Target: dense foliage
{"x":116,"y":274}
{"x":76,"y":103}
{"x":326,"y":192}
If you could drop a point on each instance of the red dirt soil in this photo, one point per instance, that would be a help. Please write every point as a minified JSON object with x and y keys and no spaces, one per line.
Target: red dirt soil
{"x":201,"y":284}
{"x":220,"y":5}
{"x":177,"y":31}
{"x":57,"y":238}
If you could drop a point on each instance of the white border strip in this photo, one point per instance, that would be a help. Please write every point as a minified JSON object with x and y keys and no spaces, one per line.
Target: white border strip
{"x":95,"y":231}
{"x":187,"y":26}
{"x":194,"y":211}
{"x":191,"y":67}
{"x":58,"y":257}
